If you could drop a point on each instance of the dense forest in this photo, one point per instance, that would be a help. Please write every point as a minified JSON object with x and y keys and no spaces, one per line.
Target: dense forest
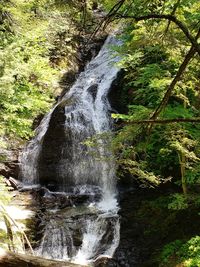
{"x":45,"y":44}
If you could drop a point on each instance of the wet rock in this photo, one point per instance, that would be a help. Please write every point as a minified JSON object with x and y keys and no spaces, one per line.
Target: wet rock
{"x":14,"y":183}
{"x":93,"y":90}
{"x":52,"y":149}
{"x":79,"y":199}
{"x":4,"y":171}
{"x":106,"y":262}
{"x":9,"y":165}
{"x":66,"y":81}
{"x":77,"y":237}
{"x":53,"y":201}
{"x":115,"y":95}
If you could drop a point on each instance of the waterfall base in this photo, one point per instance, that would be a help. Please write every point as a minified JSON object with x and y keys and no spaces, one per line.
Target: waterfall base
{"x":72,"y":227}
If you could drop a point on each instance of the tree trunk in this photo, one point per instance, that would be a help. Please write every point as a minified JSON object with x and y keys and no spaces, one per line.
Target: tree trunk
{"x":9,"y":259}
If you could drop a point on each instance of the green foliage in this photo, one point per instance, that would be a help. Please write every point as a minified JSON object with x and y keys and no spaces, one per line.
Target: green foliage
{"x":4,"y":200}
{"x":178,"y":202}
{"x":4,"y":194}
{"x":11,"y":234}
{"x":170,"y":249}
{"x":151,"y":53}
{"x":193,"y":174}
{"x":37,"y":42}
{"x":186,"y":252}
{"x":135,"y":111}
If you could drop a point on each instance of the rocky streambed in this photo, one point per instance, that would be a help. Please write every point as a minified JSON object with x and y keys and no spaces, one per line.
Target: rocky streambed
{"x":43,"y":214}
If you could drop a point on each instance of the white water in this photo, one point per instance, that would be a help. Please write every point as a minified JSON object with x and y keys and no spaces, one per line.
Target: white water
{"x":92,"y":239}
{"x":29,"y":156}
{"x":83,"y":168}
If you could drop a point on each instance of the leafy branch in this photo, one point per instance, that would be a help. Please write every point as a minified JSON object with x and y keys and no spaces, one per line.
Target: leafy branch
{"x":169,"y":17}
{"x":164,"y":121}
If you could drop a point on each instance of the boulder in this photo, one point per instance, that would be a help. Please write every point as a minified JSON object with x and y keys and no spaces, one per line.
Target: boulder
{"x":9,"y":165}
{"x":106,"y":262}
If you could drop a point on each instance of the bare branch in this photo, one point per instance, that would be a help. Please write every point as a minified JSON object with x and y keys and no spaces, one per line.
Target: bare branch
{"x":108,"y":18}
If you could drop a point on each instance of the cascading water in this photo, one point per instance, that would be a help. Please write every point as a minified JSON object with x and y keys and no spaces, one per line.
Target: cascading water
{"x":68,"y":165}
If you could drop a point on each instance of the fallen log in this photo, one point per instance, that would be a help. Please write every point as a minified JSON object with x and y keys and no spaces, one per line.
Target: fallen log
{"x":10,"y":259}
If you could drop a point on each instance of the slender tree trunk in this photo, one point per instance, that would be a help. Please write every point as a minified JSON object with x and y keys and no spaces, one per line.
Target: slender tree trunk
{"x":177,"y":78}
{"x":183,"y":159}
{"x":183,"y":178}
{"x":84,"y":14}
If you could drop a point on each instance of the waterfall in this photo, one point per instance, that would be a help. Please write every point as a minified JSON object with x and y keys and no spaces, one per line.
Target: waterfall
{"x":60,"y":159}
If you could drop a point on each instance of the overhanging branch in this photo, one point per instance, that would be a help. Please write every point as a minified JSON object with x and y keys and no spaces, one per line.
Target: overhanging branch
{"x":165,"y":121}
{"x":178,"y":76}
{"x":169,"y":17}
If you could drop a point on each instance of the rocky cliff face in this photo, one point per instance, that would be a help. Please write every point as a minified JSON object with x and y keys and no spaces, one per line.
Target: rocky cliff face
{"x":9,"y":164}
{"x":51,"y":152}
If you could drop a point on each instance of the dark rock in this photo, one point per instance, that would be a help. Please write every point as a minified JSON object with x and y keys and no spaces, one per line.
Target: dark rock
{"x":4,"y":171}
{"x":106,"y":262}
{"x":52,"y":146}
{"x":14,"y":183}
{"x":77,"y":238}
{"x":37,"y":120}
{"x":66,"y":81}
{"x":93,"y":90}
{"x":9,"y":165}
{"x":13,"y":168}
{"x":94,"y":5}
{"x":115,"y":95}
{"x":79,"y":199}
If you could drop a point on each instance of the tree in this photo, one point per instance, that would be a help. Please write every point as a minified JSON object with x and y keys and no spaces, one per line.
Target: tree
{"x":159,"y":54}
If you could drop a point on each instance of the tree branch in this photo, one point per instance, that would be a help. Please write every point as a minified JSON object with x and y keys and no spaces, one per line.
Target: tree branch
{"x":169,"y":17}
{"x":179,"y":73}
{"x":165,"y":121}
{"x":107,"y":19}
{"x":172,"y":13}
